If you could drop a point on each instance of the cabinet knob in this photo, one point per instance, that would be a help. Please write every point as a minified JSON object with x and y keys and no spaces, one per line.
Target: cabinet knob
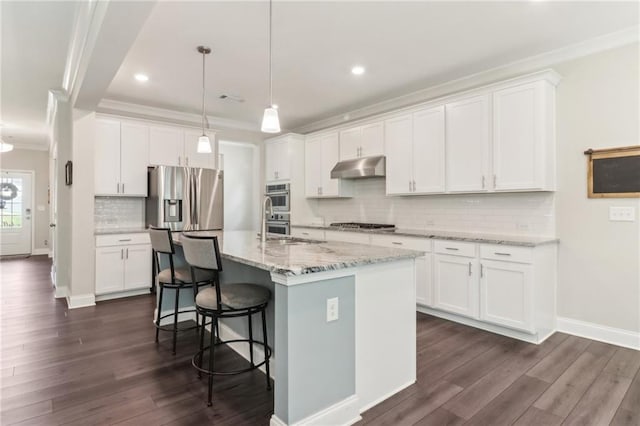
{"x":469,"y":268}
{"x":482,"y":182}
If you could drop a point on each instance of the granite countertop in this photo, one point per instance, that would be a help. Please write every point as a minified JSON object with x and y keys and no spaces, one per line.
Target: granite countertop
{"x":307,"y":257}
{"x":112,"y":231}
{"x":475,"y":237}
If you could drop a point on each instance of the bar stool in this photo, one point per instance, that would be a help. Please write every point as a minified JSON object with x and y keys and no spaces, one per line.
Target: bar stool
{"x":224,"y":301}
{"x":173,"y":278}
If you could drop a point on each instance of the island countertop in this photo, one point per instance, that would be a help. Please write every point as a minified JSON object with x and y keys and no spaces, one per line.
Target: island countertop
{"x":297,"y":259}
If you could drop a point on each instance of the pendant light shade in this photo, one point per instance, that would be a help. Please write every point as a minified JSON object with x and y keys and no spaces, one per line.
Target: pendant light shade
{"x":5,"y":147}
{"x":204,"y":144}
{"x":270,"y":119}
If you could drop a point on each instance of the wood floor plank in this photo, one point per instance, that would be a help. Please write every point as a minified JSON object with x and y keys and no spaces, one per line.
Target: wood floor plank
{"x":601,"y":401}
{"x":625,"y":363}
{"x":25,"y":412}
{"x":553,"y":365}
{"x":628,"y":413}
{"x":440,"y":417}
{"x":537,"y":417}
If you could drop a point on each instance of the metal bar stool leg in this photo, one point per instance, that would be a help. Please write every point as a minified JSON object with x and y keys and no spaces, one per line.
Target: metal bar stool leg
{"x":204,"y":320}
{"x":159,"y":311}
{"x":175,"y":319}
{"x":266,"y":347}
{"x":250,"y":340}
{"x":211,"y":356}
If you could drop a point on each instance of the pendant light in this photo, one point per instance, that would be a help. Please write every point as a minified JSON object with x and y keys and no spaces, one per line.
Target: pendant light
{"x":204,"y":144}
{"x":270,"y":120}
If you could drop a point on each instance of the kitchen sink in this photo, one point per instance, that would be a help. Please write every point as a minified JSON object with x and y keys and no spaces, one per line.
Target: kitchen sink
{"x":292,"y":241}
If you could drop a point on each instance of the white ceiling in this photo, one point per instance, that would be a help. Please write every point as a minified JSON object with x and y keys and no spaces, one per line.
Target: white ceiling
{"x":405,"y":46}
{"x":35,"y":38}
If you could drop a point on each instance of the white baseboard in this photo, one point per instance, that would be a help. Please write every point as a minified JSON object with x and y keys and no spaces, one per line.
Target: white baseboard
{"x":81,"y":301}
{"x":61,"y":293}
{"x":40,"y":251}
{"x":345,"y":412}
{"x":602,"y":333}
{"x":387,"y":396}
{"x":242,"y":349}
{"x":120,"y":294}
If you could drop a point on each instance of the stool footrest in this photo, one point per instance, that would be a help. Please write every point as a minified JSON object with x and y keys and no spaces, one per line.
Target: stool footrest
{"x":198,"y":355}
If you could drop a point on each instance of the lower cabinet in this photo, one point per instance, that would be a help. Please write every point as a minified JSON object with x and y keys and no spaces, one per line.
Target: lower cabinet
{"x":456,"y":284}
{"x":308,"y":233}
{"x":123,"y":263}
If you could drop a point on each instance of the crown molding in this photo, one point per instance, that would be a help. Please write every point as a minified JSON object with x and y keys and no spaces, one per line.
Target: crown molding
{"x":126,"y":109}
{"x":510,"y":70}
{"x":30,"y":147}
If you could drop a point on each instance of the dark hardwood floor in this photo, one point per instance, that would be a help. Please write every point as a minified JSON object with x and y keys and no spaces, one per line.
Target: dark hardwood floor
{"x":100,"y":365}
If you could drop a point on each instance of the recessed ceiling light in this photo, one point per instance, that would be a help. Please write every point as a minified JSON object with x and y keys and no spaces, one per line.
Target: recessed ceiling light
{"x":357,"y":70}
{"x":142,"y":77}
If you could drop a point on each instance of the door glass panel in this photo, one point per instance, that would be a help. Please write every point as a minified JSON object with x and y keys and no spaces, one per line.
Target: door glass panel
{"x":11,"y":203}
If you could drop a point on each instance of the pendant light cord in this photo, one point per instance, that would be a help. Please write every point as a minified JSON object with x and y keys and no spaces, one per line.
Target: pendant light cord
{"x":203,"y":113}
{"x":270,"y":56}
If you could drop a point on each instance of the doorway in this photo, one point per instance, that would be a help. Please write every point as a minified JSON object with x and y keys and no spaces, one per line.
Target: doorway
{"x":15,"y":212}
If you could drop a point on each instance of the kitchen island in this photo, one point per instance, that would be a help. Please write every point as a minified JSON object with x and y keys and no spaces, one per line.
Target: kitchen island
{"x":327,"y":372}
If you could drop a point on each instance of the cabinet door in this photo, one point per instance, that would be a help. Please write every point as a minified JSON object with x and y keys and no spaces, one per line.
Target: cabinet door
{"x":107,"y":157}
{"x":506,"y":294}
{"x":518,"y":145}
{"x":277,"y":161}
{"x":348,"y":237}
{"x":398,"y":136}
{"x":308,"y":233}
{"x":192,"y":157}
{"x":284,"y":160}
{"x":134,"y":157}
{"x":372,"y":140}
{"x":455,"y":285}
{"x":313,"y":167}
{"x":428,"y":150}
{"x":467,"y":145}
{"x":330,"y":157}
{"x":109,"y":269}
{"x":271,"y":150}
{"x":350,"y":142}
{"x":424,"y":280}
{"x":137,"y":266}
{"x":166,"y":146}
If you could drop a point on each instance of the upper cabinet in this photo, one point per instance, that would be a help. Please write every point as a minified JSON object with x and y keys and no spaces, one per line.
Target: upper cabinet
{"x":277,"y":160}
{"x":322,"y":153}
{"x":174,"y":146}
{"x":523,"y":138}
{"x":467,"y":144}
{"x":415,"y":152}
{"x":121,"y":153}
{"x":362,"y":141}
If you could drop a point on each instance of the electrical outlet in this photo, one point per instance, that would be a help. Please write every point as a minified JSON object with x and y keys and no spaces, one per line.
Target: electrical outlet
{"x":46,"y":242}
{"x":622,"y":214}
{"x":332,"y":309}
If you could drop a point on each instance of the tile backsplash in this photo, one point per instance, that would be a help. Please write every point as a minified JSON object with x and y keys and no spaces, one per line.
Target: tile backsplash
{"x":119,"y":213}
{"x":530,"y":213}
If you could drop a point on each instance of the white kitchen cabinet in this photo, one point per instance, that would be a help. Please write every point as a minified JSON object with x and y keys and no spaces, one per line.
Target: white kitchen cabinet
{"x":455,"y":278}
{"x":321,"y":155}
{"x":523,"y":138}
{"x":123,"y":263}
{"x":423,"y":264}
{"x":175,"y":146}
{"x":277,"y":160}
{"x":362,"y":141}
{"x":308,"y":233}
{"x":506,"y":294}
{"x":467,"y":144}
{"x":415,"y":152}
{"x":121,"y":152}
{"x":348,"y":237}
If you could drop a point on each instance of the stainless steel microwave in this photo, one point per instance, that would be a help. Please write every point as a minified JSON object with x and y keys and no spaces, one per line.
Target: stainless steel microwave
{"x":280,"y":196}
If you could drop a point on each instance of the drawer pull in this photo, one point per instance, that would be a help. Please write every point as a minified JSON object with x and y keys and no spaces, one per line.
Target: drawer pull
{"x":305,"y":233}
{"x":396,"y":243}
{"x":452,"y":248}
{"x":126,"y":239}
{"x":502,"y":254}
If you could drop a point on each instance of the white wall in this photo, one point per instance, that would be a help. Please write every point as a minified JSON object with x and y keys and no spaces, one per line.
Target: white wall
{"x":241,"y":185}
{"x":37,"y":161}
{"x":599,"y":272}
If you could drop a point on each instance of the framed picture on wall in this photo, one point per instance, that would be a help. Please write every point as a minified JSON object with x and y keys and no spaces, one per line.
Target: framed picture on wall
{"x":614,"y":172}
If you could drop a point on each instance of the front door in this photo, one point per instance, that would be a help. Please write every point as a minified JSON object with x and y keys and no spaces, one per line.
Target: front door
{"x":15,"y":213}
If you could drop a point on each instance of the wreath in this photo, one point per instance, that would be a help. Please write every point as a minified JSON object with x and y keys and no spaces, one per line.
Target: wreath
{"x":10,"y":188}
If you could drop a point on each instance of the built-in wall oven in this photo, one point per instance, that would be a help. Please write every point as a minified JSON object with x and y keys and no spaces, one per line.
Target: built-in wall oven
{"x":278,"y":223}
{"x":279,"y":194}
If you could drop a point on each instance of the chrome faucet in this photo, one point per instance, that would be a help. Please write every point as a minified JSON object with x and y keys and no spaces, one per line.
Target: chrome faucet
{"x":263,"y":231}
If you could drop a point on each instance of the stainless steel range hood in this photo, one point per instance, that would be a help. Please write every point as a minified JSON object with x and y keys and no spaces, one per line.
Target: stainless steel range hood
{"x":360,"y":168}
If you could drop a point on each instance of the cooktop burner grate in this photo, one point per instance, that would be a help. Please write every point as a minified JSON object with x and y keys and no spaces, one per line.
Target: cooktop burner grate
{"x":358,"y":225}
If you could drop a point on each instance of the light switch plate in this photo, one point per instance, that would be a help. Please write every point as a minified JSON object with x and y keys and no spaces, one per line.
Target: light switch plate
{"x":622,"y":214}
{"x":332,"y":309}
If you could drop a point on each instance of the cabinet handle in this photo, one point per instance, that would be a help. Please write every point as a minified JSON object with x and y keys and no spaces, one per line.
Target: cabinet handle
{"x":494,"y":180}
{"x":127,"y":256}
{"x":305,"y":233}
{"x":179,"y":158}
{"x":502,"y":254}
{"x":126,"y":239}
{"x":121,"y":254}
{"x":452,"y":248}
{"x":123,"y":188}
{"x":409,"y":186}
{"x":320,"y":190}
{"x":398,"y":243}
{"x":469,"y":268}
{"x":482,"y":182}
{"x":414,"y":186}
{"x":481,"y":270}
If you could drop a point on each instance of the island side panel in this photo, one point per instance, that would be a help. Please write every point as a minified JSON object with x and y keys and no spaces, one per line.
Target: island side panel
{"x":385,"y":330}
{"x":316,"y":361}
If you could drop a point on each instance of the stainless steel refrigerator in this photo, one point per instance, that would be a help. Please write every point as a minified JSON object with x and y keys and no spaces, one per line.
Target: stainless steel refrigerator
{"x":185,"y":198}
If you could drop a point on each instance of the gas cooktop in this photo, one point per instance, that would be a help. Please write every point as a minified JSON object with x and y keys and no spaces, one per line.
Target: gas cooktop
{"x":358,"y":225}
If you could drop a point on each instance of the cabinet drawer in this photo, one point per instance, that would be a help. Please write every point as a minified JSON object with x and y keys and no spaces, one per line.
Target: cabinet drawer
{"x":455,"y":248}
{"x":420,"y":244}
{"x":506,"y":253}
{"x":122,"y":239}
{"x":348,"y":237}
{"x":312,"y":234}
